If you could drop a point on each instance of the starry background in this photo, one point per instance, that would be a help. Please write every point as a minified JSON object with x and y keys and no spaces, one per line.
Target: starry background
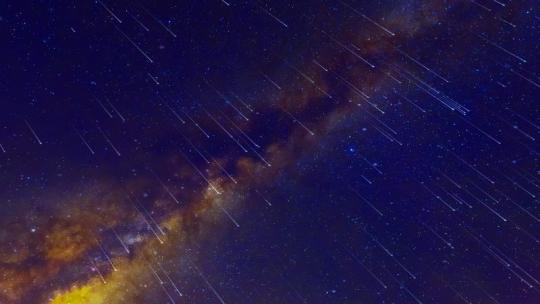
{"x":269,"y":152}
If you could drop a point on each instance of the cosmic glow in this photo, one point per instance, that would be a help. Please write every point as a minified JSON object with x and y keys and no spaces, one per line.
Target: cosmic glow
{"x":270,"y":152}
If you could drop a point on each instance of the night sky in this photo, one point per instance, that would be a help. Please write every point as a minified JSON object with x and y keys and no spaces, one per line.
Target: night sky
{"x":303,"y":152}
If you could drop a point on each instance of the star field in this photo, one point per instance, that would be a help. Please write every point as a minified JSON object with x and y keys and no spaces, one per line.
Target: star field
{"x":269,"y":152}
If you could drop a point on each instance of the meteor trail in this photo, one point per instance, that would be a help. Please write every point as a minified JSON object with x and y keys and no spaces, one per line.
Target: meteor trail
{"x":159,"y":21}
{"x":369,"y":19}
{"x":138,"y":21}
{"x":134,"y":45}
{"x":199,"y":272}
{"x":33,"y":132}
{"x":85,"y":142}
{"x":274,"y":17}
{"x":110,"y":12}
{"x":109,"y":141}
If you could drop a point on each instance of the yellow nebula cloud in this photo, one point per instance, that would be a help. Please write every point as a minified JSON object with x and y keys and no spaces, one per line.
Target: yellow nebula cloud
{"x":77,"y":295}
{"x":134,"y":275}
{"x":116,"y":288}
{"x":68,"y":241}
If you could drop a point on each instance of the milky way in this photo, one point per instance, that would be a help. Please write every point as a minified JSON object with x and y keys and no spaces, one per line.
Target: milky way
{"x":269,"y":152}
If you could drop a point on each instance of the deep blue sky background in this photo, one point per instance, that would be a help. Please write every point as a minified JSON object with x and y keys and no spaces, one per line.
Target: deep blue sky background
{"x":365,"y":203}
